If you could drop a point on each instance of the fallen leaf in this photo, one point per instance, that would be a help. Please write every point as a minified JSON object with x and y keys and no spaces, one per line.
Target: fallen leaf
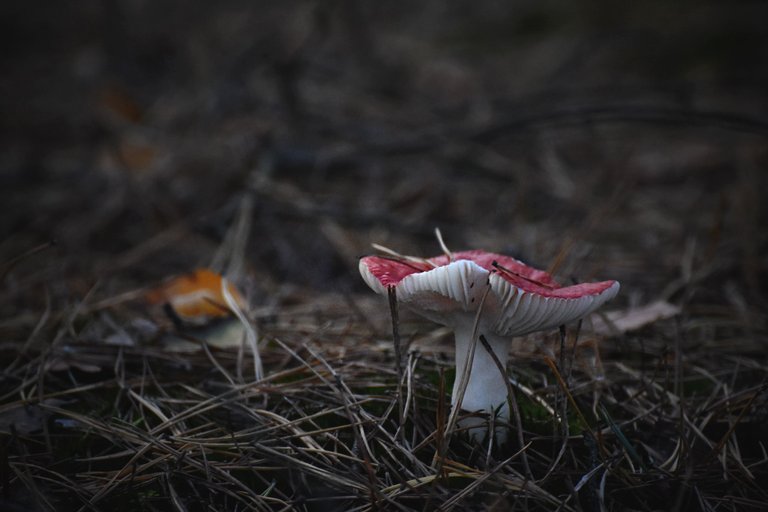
{"x":228,"y":334}
{"x":135,"y":154}
{"x":67,"y":363}
{"x":117,"y":102}
{"x":631,"y":319}
{"x":196,"y":297}
{"x":27,"y":419}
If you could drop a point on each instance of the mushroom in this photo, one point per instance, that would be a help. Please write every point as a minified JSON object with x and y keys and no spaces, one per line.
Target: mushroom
{"x":516,"y":300}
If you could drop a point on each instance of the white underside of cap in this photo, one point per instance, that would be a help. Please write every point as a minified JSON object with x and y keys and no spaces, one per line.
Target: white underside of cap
{"x":450,"y":295}
{"x":521,"y":312}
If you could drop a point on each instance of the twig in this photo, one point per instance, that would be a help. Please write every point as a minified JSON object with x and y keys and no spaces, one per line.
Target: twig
{"x":513,"y":405}
{"x":8,"y":265}
{"x":250,"y":331}
{"x":444,"y":247}
{"x":463,"y":382}
{"x":392,"y":294}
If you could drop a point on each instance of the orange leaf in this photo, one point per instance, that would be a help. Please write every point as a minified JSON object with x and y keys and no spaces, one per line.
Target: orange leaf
{"x":116,"y":101}
{"x":196,"y":297}
{"x":135,"y":155}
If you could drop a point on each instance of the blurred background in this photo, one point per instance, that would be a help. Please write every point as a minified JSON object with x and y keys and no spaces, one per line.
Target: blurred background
{"x":593,"y":139}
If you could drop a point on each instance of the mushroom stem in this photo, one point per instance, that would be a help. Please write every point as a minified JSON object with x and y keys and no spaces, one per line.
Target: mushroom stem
{"x":486,"y":390}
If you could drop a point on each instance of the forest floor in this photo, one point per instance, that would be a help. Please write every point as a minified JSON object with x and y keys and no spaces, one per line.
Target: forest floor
{"x":273,"y":144}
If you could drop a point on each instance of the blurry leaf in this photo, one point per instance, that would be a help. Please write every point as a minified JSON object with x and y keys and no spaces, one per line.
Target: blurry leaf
{"x":173,"y":343}
{"x":118,"y":103}
{"x":634,"y":318}
{"x":136,"y":155}
{"x":66,"y":423}
{"x":65,"y":363}
{"x":225,"y":335}
{"x":27,"y":419}
{"x":588,"y":357}
{"x":121,"y":338}
{"x":196,"y":297}
{"x":221,"y":335}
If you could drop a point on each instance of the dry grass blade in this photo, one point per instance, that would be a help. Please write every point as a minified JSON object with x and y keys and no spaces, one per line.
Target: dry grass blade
{"x":392,"y":295}
{"x":444,"y":247}
{"x":401,"y":257}
{"x":567,"y":392}
{"x":450,"y":425}
{"x":7,"y":266}
{"x":250,"y":331}
{"x":454,"y":501}
{"x":513,"y":406}
{"x":745,"y":409}
{"x":126,"y":472}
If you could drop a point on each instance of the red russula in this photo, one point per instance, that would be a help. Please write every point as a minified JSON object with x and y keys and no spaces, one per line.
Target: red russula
{"x":448,"y":290}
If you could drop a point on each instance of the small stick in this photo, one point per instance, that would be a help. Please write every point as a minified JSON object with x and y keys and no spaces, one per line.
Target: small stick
{"x":510,"y":272}
{"x":8,"y":265}
{"x":553,"y":366}
{"x":439,"y":457}
{"x":716,"y":450}
{"x":512,"y":405}
{"x":401,"y":257}
{"x":564,"y":404}
{"x":392,"y":294}
{"x":440,"y":411}
{"x":444,"y":247}
{"x":563,"y":335}
{"x":251,"y":336}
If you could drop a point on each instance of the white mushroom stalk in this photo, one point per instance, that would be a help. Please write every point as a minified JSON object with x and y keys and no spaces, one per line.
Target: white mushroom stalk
{"x":448,"y":289}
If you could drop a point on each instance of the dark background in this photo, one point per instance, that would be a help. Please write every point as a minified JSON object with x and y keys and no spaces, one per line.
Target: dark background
{"x":508,"y":124}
